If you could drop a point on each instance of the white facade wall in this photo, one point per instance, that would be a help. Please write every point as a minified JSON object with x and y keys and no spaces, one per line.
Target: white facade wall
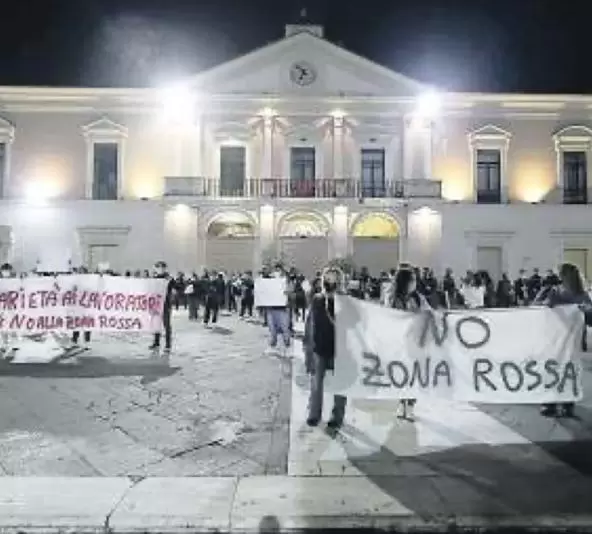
{"x":251,"y":102}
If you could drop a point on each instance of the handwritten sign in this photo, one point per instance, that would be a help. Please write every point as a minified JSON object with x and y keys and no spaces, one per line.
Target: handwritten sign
{"x":270,"y":292}
{"x":81,"y":302}
{"x":519,"y":356}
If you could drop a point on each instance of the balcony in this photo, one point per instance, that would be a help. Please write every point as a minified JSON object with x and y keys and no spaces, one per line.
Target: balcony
{"x":177,"y":186}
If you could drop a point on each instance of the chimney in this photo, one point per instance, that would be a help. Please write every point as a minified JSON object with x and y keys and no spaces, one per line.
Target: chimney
{"x":314,"y":29}
{"x":304,"y":26}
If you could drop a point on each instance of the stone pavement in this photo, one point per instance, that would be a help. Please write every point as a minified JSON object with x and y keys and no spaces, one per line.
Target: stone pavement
{"x":459,"y":466}
{"x":221,"y":408}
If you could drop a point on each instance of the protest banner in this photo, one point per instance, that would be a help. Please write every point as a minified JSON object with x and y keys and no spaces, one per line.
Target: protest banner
{"x":514,"y":356}
{"x":81,"y":302}
{"x":270,"y":292}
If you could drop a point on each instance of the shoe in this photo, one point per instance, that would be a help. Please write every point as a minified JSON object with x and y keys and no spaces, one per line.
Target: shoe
{"x":154,"y":347}
{"x":313,"y":421}
{"x":549,"y":411}
{"x":568,"y":411}
{"x":334,"y":424}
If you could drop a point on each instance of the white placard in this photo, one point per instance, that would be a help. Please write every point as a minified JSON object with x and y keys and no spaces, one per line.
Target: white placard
{"x":270,"y":292}
{"x":514,"y":356}
{"x":81,"y":302}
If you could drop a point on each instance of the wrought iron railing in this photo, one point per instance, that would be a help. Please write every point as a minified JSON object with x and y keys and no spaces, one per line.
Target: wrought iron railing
{"x":177,"y":186}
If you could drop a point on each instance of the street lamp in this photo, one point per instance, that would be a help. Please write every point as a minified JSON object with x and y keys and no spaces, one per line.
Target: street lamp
{"x":429,"y":105}
{"x":178,"y":104}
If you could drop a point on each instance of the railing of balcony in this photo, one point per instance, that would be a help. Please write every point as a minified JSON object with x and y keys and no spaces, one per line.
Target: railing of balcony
{"x":285,"y":188}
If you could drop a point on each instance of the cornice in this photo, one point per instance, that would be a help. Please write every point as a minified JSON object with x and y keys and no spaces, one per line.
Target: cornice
{"x":146,"y":100}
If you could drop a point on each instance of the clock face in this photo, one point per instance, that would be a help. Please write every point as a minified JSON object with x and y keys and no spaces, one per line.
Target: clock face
{"x":302,"y":73}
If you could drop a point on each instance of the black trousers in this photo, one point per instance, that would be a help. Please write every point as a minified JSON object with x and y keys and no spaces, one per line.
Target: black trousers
{"x":247,"y":306}
{"x":168,"y":331}
{"x":212,"y":308}
{"x":76,"y":336}
{"x":193,"y":302}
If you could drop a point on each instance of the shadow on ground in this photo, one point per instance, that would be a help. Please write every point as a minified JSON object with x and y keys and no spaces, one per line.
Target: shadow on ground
{"x":484,"y":480}
{"x":90,"y":367}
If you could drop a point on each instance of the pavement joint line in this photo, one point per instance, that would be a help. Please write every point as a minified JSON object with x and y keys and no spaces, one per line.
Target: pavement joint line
{"x":403,"y":519}
{"x":134,"y":481}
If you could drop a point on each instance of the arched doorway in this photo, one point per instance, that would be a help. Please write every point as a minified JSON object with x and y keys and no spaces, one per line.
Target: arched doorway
{"x":304,"y":241}
{"x":376,"y":242}
{"x":230,"y":243}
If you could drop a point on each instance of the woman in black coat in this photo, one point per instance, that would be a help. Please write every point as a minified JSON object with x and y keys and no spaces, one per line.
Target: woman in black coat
{"x":571,"y":291}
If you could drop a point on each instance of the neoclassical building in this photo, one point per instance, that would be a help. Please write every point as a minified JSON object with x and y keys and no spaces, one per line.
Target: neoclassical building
{"x":299,"y":149}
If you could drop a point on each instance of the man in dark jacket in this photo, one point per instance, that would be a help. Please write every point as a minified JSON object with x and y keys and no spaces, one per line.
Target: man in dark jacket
{"x":160,"y":271}
{"x":319,"y":347}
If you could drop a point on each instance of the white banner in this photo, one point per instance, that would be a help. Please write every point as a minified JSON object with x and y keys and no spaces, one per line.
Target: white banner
{"x":270,"y":292}
{"x":514,"y":356}
{"x":81,"y":302}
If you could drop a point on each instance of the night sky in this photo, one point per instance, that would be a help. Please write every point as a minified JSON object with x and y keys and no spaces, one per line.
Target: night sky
{"x":466,"y":45}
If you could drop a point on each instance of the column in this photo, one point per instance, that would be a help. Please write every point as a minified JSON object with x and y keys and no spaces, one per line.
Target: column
{"x":181,"y":229}
{"x":267,"y":244}
{"x":267,"y":153}
{"x":201,"y":147}
{"x":417,"y":149}
{"x":340,"y":231}
{"x":337,"y":147}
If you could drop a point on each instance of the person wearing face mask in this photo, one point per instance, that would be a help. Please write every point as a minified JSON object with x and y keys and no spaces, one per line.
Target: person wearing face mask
{"x":319,"y":350}
{"x":9,"y":339}
{"x":278,"y":318}
{"x":160,"y":271}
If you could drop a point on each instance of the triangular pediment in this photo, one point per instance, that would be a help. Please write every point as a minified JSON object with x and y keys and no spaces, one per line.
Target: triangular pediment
{"x":576,"y":130}
{"x":104,"y":126}
{"x":490,"y":130}
{"x":274,"y":69}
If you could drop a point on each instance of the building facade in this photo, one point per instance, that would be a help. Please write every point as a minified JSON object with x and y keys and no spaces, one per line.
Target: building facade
{"x":300,"y":150}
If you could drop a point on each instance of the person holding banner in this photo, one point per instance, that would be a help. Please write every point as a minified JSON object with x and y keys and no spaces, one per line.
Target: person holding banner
{"x":319,"y":351}
{"x":9,"y":339}
{"x":160,"y":271}
{"x":406,"y":297}
{"x":571,"y":291}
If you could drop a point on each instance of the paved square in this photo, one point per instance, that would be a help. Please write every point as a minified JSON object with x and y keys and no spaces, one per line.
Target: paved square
{"x":486,"y":442}
{"x":221,"y":408}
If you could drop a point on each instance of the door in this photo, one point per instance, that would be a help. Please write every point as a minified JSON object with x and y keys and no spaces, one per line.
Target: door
{"x":307,"y":254}
{"x":232,"y":171}
{"x":375,"y":253}
{"x":230,"y":254}
{"x":579,"y":258}
{"x":102,"y":254}
{"x":490,"y":259}
{"x":373,"y":182}
{"x":302,"y":171}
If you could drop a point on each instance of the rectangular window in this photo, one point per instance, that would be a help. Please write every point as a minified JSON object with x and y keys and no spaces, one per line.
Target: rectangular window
{"x":302,"y":171}
{"x":489,"y":177}
{"x":373,"y":180}
{"x":105,"y":171}
{"x":232,"y":170}
{"x":575,"y":178}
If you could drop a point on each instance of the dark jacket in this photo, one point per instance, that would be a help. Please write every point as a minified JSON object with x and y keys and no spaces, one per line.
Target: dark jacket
{"x":168,"y":299}
{"x":558,"y":296}
{"x":319,"y":331}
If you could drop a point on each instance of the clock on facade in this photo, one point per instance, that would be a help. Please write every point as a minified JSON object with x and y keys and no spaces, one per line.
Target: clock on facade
{"x":302,"y":73}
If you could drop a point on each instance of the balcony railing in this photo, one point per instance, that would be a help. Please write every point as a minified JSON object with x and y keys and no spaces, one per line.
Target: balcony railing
{"x":176,"y":186}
